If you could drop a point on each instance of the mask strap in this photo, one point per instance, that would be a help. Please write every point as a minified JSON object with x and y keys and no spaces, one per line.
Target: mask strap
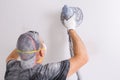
{"x":28,"y":52}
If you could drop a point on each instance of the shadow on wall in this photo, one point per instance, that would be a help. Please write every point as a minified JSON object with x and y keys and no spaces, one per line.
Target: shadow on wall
{"x":57,"y":39}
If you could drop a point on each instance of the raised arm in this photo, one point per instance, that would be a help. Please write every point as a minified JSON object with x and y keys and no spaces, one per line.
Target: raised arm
{"x":12,"y":55}
{"x":80,"y":57}
{"x":80,"y":53}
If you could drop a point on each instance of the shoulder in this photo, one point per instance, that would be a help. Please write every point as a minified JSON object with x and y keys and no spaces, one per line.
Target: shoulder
{"x":57,"y":65}
{"x":12,"y":63}
{"x":54,"y":71}
{"x":12,"y":70}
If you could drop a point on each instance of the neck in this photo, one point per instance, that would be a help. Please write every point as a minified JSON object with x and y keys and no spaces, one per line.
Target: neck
{"x":29,"y":63}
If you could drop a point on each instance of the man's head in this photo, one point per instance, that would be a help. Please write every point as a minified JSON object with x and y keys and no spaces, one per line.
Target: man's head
{"x":29,"y":45}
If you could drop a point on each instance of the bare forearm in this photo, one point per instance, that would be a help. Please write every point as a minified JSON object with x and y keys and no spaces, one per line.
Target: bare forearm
{"x":80,"y":54}
{"x":79,"y":48}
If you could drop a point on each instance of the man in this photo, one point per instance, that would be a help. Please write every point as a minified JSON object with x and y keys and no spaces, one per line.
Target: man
{"x":31,"y":50}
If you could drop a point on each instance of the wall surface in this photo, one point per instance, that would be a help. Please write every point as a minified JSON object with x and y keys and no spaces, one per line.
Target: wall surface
{"x":100,"y":32}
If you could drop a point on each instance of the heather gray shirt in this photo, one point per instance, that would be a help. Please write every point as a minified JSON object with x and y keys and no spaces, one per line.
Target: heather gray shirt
{"x":51,"y":71}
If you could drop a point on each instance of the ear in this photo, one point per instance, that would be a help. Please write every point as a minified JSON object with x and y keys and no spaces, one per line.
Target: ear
{"x":41,"y":53}
{"x":40,"y":57}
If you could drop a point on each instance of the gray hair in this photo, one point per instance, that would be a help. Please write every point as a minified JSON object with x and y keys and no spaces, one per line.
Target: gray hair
{"x":28,"y":41}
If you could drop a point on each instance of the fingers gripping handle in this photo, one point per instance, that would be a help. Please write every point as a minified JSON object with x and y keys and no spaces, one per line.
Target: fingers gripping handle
{"x":71,"y":17}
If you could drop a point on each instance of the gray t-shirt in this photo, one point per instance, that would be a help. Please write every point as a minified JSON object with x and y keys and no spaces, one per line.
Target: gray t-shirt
{"x":51,"y":71}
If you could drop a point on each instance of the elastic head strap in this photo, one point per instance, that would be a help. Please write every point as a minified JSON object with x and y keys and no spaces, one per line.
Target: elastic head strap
{"x":28,"y":52}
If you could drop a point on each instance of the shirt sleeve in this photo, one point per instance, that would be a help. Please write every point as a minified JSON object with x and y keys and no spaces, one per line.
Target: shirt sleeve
{"x":11,"y":63}
{"x":11,"y":70}
{"x":55,"y":71}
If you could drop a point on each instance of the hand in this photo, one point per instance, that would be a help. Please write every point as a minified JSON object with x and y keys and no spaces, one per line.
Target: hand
{"x":70,"y":23}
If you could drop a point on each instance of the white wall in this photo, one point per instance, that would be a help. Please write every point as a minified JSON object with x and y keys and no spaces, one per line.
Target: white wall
{"x":100,"y":31}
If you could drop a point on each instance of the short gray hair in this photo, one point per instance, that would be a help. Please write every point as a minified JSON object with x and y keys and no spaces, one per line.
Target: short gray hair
{"x":28,"y":41}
